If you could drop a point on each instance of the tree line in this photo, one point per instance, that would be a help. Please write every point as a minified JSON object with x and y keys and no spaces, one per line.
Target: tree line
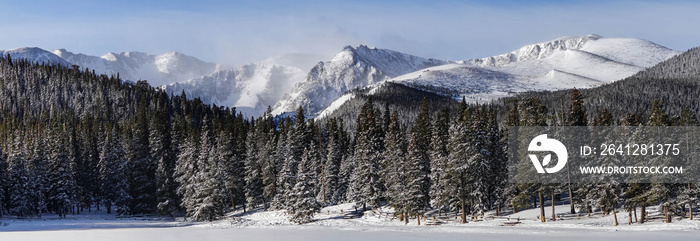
{"x":73,"y":140}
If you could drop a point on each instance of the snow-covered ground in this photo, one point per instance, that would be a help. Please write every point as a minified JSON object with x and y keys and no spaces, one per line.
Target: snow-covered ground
{"x":337,"y":223}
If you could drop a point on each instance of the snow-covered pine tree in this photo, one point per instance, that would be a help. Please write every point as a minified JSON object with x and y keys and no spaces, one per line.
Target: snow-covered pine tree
{"x":18,"y":177}
{"x":142,"y":168}
{"x":438,"y":160}
{"x":366,"y":187}
{"x":160,"y":143}
{"x":38,"y":172}
{"x":302,"y":195}
{"x":395,"y":166}
{"x":286,"y":181}
{"x":231,"y":164}
{"x":185,"y":171}
{"x":331,"y":168}
{"x":423,"y":131}
{"x":269,"y":168}
{"x":478,"y":165}
{"x":347,"y":164}
{"x":209,"y":190}
{"x":498,"y":159}
{"x":60,"y":178}
{"x":416,"y":176}
{"x":457,"y":174}
{"x":253,"y":169}
{"x":316,"y":157}
{"x":112,"y":169}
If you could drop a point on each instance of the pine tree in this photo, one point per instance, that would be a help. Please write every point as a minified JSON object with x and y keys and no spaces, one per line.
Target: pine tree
{"x":232,"y":167}
{"x":438,"y":160}
{"x":142,"y":168}
{"x":161,"y":151}
{"x":185,"y":171}
{"x":112,"y":168}
{"x":38,"y":168}
{"x":253,"y":169}
{"x":60,"y":178}
{"x":304,"y":202}
{"x":269,"y":168}
{"x":295,"y":142}
{"x":19,"y":183}
{"x":395,"y":166}
{"x":416,"y":179}
{"x":458,"y":147}
{"x":366,"y":187}
{"x":209,"y":190}
{"x":331,"y":170}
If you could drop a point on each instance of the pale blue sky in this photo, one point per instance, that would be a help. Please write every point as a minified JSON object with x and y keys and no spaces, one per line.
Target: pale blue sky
{"x":238,"y":32}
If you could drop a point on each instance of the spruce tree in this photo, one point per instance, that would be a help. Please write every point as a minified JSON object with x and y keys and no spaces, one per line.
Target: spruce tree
{"x":38,"y":168}
{"x":142,"y":168}
{"x":60,"y":178}
{"x":112,"y":169}
{"x":186,"y":170}
{"x":438,"y":159}
{"x":253,"y":169}
{"x":366,"y":187}
{"x":302,"y":195}
{"x":416,"y":179}
{"x":19,"y":182}
{"x":331,"y":170}
{"x":162,"y":152}
{"x":395,"y":166}
{"x":209,"y":190}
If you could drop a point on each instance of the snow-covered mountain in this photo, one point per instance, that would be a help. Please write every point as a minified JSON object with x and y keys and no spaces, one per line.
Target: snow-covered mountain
{"x":351,"y":68}
{"x":563,"y":63}
{"x":158,"y":70}
{"x":251,"y":88}
{"x":36,"y":55}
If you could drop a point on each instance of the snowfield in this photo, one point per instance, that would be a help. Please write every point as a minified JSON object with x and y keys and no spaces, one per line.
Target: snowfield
{"x":338,"y":223}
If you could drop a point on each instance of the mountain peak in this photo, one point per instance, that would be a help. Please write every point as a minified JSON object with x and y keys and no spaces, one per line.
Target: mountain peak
{"x":35,"y":54}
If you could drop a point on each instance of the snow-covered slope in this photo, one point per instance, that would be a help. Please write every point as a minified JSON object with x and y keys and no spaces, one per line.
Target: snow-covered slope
{"x":36,"y":55}
{"x":351,"y":68}
{"x":251,"y":88}
{"x":563,"y":63}
{"x":158,"y":70}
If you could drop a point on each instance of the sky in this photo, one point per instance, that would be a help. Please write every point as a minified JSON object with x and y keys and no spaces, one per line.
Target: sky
{"x":240,"y":32}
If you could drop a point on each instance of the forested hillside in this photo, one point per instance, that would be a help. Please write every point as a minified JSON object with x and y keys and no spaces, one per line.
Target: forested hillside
{"x":75,"y":141}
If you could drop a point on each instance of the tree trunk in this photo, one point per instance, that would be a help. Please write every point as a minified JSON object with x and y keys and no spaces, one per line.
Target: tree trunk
{"x":554,"y":214}
{"x":515,"y":207}
{"x":644,"y":212}
{"x":464,"y":212}
{"x":615,"y":215}
{"x":668,"y":214}
{"x":108,"y":205}
{"x":571,"y":194}
{"x":635,"y":214}
{"x":534,"y":201}
{"x":233,"y":202}
{"x":541,"y":206}
{"x":498,"y":209}
{"x":418,"y":218}
{"x":405,"y":217}
{"x":690,"y":210}
{"x":629,"y":217}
